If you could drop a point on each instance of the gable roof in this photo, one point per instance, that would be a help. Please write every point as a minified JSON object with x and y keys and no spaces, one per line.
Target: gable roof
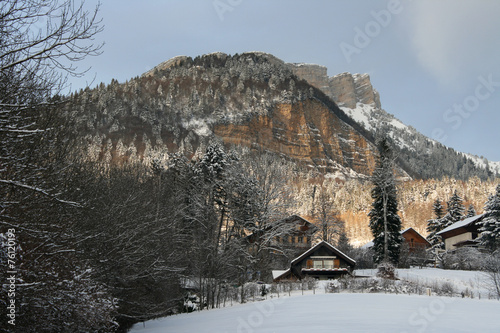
{"x":370,"y":243}
{"x":327,"y":245}
{"x":410,"y":229}
{"x":461,"y":224}
{"x":295,"y":217}
{"x":278,"y":274}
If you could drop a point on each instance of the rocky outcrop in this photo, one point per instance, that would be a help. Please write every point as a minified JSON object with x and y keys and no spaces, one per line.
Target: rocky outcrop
{"x":345,"y":89}
{"x":307,"y":132}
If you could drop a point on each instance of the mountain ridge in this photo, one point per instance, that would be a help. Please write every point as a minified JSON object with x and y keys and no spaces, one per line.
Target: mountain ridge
{"x":356,"y":96}
{"x":250,"y":99}
{"x":257,"y":100}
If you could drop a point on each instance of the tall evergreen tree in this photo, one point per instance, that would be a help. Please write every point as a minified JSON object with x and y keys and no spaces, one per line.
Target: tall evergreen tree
{"x":385,"y":222}
{"x":343,"y":243}
{"x":471,"y":211}
{"x":455,"y":211}
{"x":438,"y":209}
{"x":435,"y":225}
{"x":490,"y":225}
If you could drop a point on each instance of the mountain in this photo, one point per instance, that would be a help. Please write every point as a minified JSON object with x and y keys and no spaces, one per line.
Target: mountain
{"x":256,"y":100}
{"x":253,"y":100}
{"x":425,"y":157}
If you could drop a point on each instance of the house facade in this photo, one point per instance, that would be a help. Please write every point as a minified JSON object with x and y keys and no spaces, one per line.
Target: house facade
{"x":415,"y":241}
{"x":300,"y":233}
{"x":462,"y":233}
{"x":322,"y":261}
{"x":293,"y":233}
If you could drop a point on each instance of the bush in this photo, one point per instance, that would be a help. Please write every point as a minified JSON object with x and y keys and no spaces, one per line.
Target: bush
{"x":386,"y":270}
{"x":465,"y":258}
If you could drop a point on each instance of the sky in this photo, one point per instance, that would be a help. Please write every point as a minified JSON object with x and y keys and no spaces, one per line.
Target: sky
{"x":436,"y":64}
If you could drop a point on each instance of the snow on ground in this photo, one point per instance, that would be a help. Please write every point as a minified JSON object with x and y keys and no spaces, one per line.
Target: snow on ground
{"x":342,"y":312}
{"x":474,"y":281}
{"x":350,"y":312}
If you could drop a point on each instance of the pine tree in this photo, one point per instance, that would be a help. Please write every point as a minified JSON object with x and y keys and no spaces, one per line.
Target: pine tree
{"x":471,"y":211}
{"x":490,"y":225}
{"x":456,"y":207}
{"x":434,"y":226}
{"x":455,"y":211}
{"x":343,"y":243}
{"x":438,"y":209}
{"x":385,"y":222}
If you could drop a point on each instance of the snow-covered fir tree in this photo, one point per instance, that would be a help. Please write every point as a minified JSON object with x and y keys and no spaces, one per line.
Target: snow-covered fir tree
{"x":490,"y":225}
{"x":434,"y":226}
{"x":471,"y":211}
{"x":438,"y":209}
{"x":385,"y":222}
{"x":455,"y":211}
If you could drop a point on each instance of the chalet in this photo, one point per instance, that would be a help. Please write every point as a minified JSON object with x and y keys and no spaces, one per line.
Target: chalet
{"x":414,"y":240}
{"x":301,"y":232}
{"x":322,"y":261}
{"x":294,"y":232}
{"x":462,"y":233}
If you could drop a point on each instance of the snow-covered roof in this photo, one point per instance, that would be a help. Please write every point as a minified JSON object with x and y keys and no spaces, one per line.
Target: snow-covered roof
{"x":403,"y":231}
{"x":367,"y":245}
{"x":323,"y":243}
{"x":279,"y":273}
{"x":461,"y":224}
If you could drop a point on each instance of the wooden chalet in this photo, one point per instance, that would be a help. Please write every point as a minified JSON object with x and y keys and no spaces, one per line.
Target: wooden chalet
{"x":412,"y":238}
{"x":301,"y":233}
{"x":295,"y":232}
{"x":322,"y":261}
{"x":416,"y":242}
{"x":462,"y":233}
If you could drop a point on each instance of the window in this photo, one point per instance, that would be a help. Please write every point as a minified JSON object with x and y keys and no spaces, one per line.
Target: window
{"x":328,"y":264}
{"x":323,"y":263}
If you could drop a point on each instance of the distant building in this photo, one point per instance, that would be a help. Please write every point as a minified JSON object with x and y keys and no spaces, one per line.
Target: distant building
{"x":322,"y":261}
{"x":294,"y":233}
{"x":463,"y":233}
{"x":415,"y":241}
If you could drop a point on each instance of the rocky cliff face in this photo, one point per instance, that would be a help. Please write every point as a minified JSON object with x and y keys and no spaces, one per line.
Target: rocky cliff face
{"x":419,"y":155}
{"x":345,"y":89}
{"x":252,"y":99}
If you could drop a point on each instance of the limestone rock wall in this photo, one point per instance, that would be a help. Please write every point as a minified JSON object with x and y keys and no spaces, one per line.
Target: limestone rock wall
{"x":345,"y":89}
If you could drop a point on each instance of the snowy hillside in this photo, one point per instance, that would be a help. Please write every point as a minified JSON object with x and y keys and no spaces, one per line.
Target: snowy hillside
{"x":407,"y":138}
{"x":348,"y":312}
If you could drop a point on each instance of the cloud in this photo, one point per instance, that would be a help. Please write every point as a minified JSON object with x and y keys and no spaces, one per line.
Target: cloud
{"x":456,"y":40}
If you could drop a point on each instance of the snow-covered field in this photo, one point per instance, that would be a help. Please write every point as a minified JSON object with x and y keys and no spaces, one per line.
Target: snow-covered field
{"x":462,"y":281}
{"x":348,"y":312}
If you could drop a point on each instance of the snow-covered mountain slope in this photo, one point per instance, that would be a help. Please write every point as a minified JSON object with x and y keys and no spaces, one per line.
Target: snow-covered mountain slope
{"x":377,"y":120}
{"x":419,"y":155}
